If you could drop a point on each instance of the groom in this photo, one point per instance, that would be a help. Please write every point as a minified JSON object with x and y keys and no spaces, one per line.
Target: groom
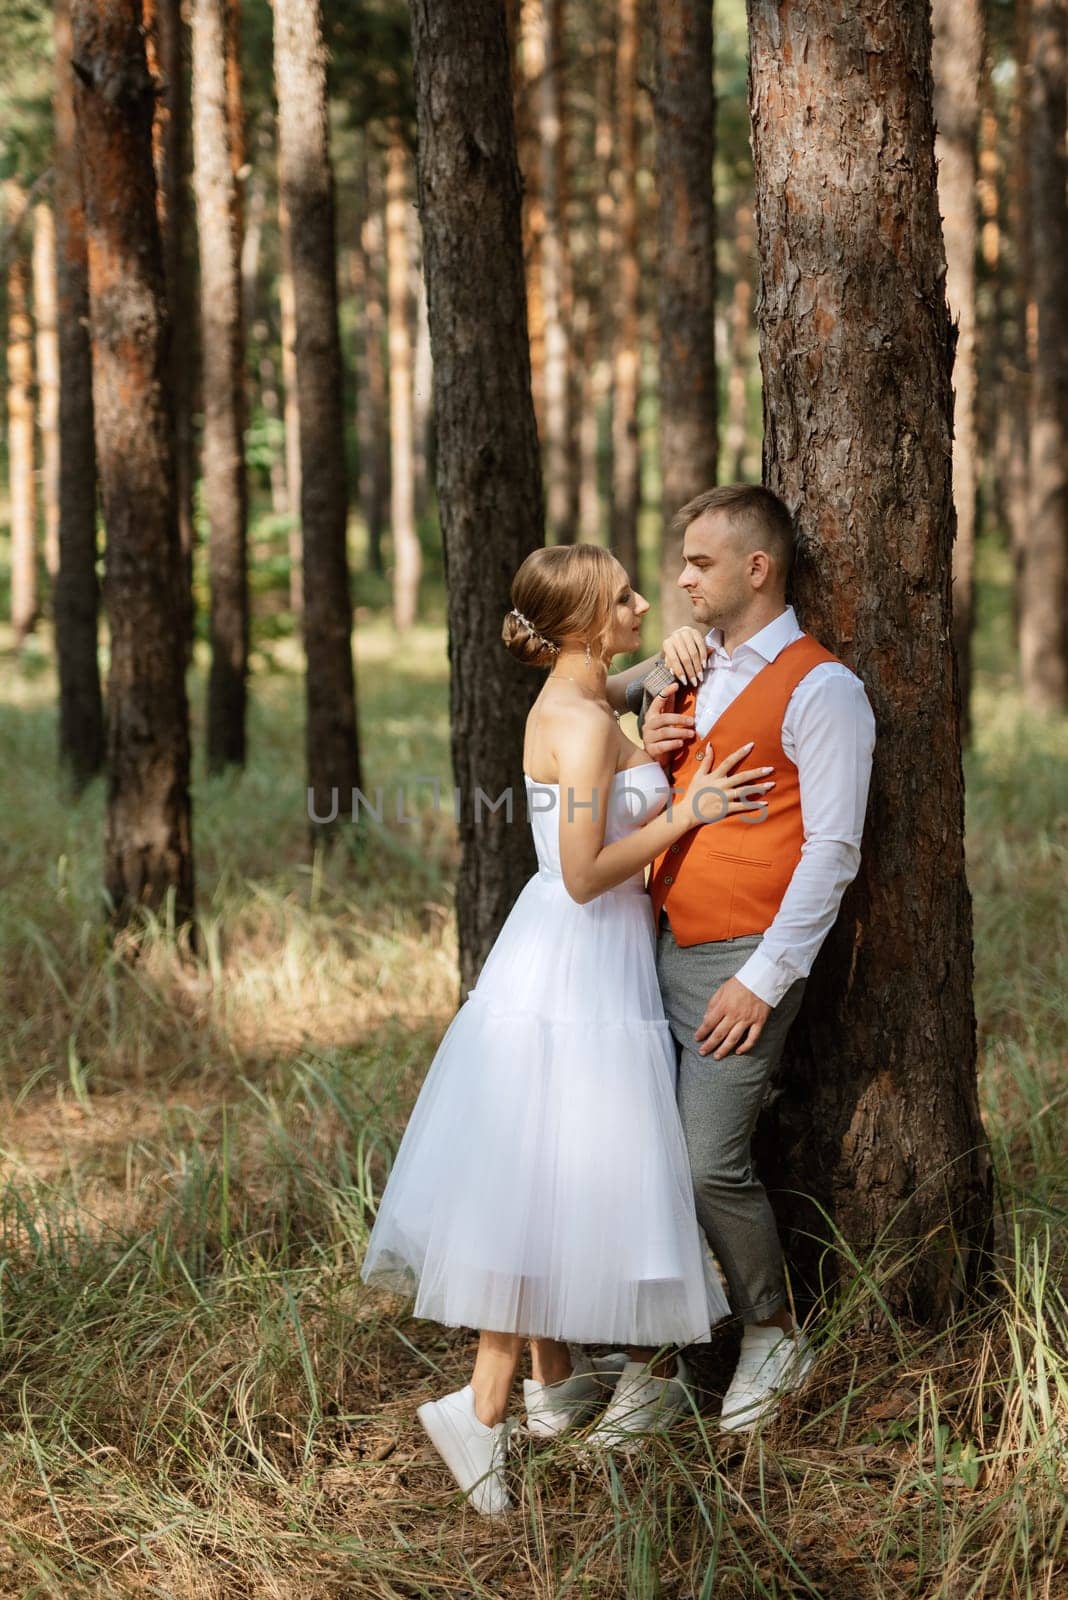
{"x":743,"y":906}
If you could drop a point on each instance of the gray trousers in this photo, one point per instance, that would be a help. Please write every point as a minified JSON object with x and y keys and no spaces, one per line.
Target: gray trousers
{"x":719,"y":1102}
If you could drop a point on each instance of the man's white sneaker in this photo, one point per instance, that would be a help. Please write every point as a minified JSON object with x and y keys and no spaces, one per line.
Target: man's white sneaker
{"x":641,"y":1404}
{"x":553,"y":1407}
{"x":474,"y":1453}
{"x":772,"y":1364}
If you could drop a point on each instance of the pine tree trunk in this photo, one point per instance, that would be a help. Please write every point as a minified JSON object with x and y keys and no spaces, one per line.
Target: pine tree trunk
{"x":20,"y":419}
{"x":957,"y":67}
{"x":77,"y":595}
{"x":148,"y":849}
{"x":739,"y":339}
{"x":530,"y":64}
{"x":685,"y":148}
{"x":291,"y":407}
{"x":371,"y":374}
{"x":553,"y":269}
{"x":216,"y":142}
{"x":489,"y":482}
{"x":877,"y":1116}
{"x":1023,"y":352}
{"x":333,"y":761}
{"x":422,"y":375}
{"x":1044,"y":587}
{"x":626,"y":484}
{"x":44,"y":309}
{"x":167,"y":44}
{"x":407,"y":557}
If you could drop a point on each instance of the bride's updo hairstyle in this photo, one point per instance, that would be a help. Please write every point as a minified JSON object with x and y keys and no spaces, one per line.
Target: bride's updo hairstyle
{"x":563,"y":592}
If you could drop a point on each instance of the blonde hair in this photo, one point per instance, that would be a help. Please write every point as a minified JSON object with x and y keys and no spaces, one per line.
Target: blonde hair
{"x":565,"y":591}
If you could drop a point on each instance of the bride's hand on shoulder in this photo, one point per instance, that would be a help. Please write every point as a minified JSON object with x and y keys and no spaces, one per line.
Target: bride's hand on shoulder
{"x":685,"y":653}
{"x":715,"y":792}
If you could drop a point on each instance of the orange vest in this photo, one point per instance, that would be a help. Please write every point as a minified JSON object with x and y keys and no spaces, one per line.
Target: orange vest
{"x":728,"y":878}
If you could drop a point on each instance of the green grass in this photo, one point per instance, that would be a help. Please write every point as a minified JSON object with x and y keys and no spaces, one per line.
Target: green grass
{"x":197,"y":1395}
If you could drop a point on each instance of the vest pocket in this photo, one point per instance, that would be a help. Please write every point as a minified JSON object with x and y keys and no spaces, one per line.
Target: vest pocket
{"x":730,"y":855}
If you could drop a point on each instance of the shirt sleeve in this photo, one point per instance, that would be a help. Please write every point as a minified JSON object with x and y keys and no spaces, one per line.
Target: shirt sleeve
{"x":829,"y":731}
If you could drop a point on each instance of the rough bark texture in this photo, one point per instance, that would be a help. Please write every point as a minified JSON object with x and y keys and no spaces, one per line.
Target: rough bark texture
{"x":1044,"y":587}
{"x":77,"y":593}
{"x":167,"y":44}
{"x":489,"y":483}
{"x":20,"y":430}
{"x":44,"y":314}
{"x":291,"y":407}
{"x":957,"y":61}
{"x":407,"y":556}
{"x":308,"y":192}
{"x":626,"y":474}
{"x":148,"y":845}
{"x":685,"y":146}
{"x":216,"y":144}
{"x":877,"y":1115}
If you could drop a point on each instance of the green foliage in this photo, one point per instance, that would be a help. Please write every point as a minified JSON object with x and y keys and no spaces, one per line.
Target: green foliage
{"x":25,"y":90}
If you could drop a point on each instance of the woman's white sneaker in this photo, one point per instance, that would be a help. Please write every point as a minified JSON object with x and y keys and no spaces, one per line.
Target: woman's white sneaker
{"x":474,"y":1453}
{"x":554,"y":1407}
{"x":641,"y":1404}
{"x":772,"y":1364}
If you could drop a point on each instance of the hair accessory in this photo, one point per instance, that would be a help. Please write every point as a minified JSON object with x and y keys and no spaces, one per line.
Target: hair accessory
{"x":532,"y":630}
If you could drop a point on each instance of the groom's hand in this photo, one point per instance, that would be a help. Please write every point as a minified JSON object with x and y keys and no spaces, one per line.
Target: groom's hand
{"x":733,"y":1021}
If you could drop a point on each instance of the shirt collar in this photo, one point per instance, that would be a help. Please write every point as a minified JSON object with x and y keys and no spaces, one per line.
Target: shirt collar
{"x":772,"y":637}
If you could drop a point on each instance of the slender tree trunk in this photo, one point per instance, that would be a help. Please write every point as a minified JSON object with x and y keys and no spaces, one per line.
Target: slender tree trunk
{"x":626,"y":464}
{"x":407,"y":558}
{"x":267,"y":373}
{"x":77,"y":595}
{"x":739,"y":341}
{"x":216,"y":145}
{"x":287,"y":313}
{"x":489,"y":482}
{"x":167,"y":44}
{"x":957,"y":63}
{"x":20,"y":419}
{"x":371,"y":373}
{"x":553,"y":267}
{"x":333,"y":760}
{"x":685,"y":148}
{"x":878,"y":1115}
{"x":1024,"y":329}
{"x":1044,"y":588}
{"x":148,"y":849}
{"x":44,"y":303}
{"x":530,"y":65}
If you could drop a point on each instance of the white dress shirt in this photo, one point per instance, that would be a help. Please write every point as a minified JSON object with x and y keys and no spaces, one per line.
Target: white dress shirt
{"x":828,"y":732}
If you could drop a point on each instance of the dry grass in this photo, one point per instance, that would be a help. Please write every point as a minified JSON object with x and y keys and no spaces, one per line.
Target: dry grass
{"x":197,"y":1396}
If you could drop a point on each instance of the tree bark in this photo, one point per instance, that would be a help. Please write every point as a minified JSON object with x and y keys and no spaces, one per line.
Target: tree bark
{"x":372,"y":401}
{"x":333,"y":762}
{"x":167,"y":45}
{"x":77,"y":593}
{"x":407,"y":557}
{"x":20,"y":419}
{"x":148,"y":847}
{"x":530,"y":64}
{"x":291,"y":406}
{"x":217,"y":145}
{"x":957,"y":63}
{"x":561,"y":523}
{"x":877,"y":1116}
{"x":422,"y":376}
{"x":626,"y":463}
{"x":44,"y":306}
{"x":489,"y":482}
{"x":685,"y":148}
{"x":1023,"y":341}
{"x":1044,"y":587}
{"x":739,"y":341}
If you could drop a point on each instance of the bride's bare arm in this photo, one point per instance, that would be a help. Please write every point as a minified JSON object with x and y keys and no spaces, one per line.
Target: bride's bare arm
{"x":586,"y":762}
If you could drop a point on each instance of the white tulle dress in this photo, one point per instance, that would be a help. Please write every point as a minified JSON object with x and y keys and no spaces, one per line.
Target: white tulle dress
{"x":542,"y":1185}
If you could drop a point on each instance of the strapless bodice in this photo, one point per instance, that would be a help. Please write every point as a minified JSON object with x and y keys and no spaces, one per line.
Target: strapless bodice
{"x":634,"y":795}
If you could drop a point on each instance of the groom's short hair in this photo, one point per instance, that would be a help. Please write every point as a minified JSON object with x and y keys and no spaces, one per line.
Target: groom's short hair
{"x":756,"y":514}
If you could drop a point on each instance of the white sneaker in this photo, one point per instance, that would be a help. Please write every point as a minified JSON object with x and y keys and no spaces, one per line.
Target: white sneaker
{"x":772,"y":1364}
{"x":641,"y":1404}
{"x":474,"y":1453}
{"x":553,"y":1407}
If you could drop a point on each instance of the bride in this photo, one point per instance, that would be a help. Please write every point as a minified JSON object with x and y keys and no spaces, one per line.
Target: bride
{"x":542,"y":1190}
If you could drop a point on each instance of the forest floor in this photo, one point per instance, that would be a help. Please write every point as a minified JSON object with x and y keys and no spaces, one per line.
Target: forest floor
{"x":198,"y":1398}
